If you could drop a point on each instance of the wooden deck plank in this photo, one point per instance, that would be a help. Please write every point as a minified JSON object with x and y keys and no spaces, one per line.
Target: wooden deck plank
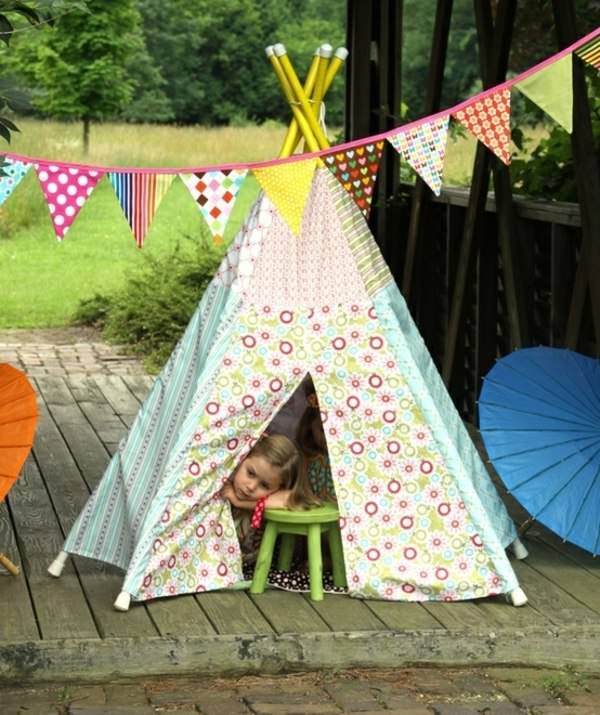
{"x":288,"y":612}
{"x":106,"y":424}
{"x":571,"y":578}
{"x":101,"y":582}
{"x":90,"y":455}
{"x":118,"y":396}
{"x":404,"y":616}
{"x":69,"y":492}
{"x":548,"y":599}
{"x":18,"y":618}
{"x":342,"y":613}
{"x":139,"y":385}
{"x":458,"y":616}
{"x":175,"y":616}
{"x":233,"y":613}
{"x":61,"y":607}
{"x":581,"y":557}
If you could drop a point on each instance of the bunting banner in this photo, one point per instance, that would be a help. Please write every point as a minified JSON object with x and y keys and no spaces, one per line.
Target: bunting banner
{"x":287,"y":186}
{"x":215,"y":193}
{"x":14,"y":171}
{"x":287,"y":181}
{"x":424,"y":148}
{"x":66,"y":190}
{"x":552,"y":90}
{"x":590,"y":52}
{"x":356,"y":170}
{"x":488,"y":119}
{"x":139,"y":195}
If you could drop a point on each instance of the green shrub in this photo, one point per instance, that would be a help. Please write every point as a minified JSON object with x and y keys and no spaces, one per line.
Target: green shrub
{"x":150,"y":314}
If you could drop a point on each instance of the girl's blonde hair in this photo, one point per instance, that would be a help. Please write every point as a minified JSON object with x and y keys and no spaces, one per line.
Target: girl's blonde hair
{"x":305,"y":435}
{"x":280,"y":452}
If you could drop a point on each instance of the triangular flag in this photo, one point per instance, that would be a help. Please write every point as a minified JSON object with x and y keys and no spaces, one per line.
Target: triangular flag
{"x":66,"y":189}
{"x":287,"y":185}
{"x":215,"y":193}
{"x":590,"y":52}
{"x":488,"y":118}
{"x":139,"y":195}
{"x":424,"y":148}
{"x":14,"y":170}
{"x":552,"y":90}
{"x":356,"y":170}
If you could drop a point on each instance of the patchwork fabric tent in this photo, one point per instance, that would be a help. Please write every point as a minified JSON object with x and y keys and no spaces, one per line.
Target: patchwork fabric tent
{"x":420,"y":518}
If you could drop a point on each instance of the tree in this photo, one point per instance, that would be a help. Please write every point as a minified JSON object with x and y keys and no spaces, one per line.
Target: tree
{"x":79,"y":68}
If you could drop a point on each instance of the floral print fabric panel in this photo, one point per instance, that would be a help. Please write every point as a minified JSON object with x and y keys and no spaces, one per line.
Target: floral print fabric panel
{"x":406,"y":532}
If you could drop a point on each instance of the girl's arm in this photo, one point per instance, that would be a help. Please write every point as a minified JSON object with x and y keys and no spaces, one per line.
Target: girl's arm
{"x":279,"y":499}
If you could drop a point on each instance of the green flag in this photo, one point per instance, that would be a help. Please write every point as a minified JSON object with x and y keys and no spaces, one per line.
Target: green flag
{"x":552,"y":90}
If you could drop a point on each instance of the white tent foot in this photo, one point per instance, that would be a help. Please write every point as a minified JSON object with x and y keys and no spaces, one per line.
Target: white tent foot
{"x":56,"y":567}
{"x":517,"y":597}
{"x":519,"y":549}
{"x":122,"y":601}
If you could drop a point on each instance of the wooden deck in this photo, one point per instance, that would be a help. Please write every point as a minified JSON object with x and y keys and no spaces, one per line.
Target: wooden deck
{"x":67,"y":628}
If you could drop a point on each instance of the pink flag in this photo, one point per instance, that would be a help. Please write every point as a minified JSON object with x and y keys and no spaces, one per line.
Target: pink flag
{"x":66,"y":189}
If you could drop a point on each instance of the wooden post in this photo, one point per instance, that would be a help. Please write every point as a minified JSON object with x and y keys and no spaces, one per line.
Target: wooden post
{"x":588,"y":185}
{"x":373,"y":93}
{"x":441,"y":32}
{"x":496,"y":62}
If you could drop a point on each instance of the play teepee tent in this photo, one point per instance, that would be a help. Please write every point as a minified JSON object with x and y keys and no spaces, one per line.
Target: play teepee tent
{"x":303,"y":289}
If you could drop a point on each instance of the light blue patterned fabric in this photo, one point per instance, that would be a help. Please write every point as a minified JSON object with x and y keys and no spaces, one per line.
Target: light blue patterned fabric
{"x":15,"y":170}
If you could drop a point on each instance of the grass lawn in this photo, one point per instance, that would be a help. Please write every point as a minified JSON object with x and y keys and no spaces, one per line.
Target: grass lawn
{"x":42,"y":280}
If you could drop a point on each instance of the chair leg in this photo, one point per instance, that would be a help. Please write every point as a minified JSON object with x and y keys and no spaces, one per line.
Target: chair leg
{"x":315,"y":562}
{"x":334,"y":539}
{"x":264,"y":558}
{"x":286,"y":551}
{"x":8,"y":565}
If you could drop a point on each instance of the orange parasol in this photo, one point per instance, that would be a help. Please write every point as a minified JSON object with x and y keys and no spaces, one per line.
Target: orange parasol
{"x":18,"y":417}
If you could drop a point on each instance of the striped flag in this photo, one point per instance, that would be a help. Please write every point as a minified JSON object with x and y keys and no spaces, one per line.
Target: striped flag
{"x":590,"y":52}
{"x":139,"y":195}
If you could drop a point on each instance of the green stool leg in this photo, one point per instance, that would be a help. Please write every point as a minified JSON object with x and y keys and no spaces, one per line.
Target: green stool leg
{"x":315,"y":562}
{"x":264,"y":558}
{"x":286,"y":551}
{"x":337,"y":555}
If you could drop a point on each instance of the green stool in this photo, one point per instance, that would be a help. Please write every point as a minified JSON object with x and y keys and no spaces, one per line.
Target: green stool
{"x":310,"y":523}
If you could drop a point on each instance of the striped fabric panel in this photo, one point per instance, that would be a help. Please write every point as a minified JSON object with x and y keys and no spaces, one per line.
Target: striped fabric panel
{"x":590,"y":52}
{"x":111,"y":523}
{"x":369,"y":261}
{"x":139,"y":196}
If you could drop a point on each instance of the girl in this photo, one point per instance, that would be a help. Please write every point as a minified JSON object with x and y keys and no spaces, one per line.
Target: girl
{"x":269,"y":476}
{"x":311,"y":438}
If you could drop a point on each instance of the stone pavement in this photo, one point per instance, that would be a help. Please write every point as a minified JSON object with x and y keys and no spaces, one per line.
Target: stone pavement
{"x":406,"y":691}
{"x":61,"y":352}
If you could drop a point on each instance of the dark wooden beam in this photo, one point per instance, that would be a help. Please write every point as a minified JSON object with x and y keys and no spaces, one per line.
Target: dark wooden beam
{"x":588,"y":185}
{"x":359,"y":69}
{"x":494,"y":48}
{"x":433,"y":94}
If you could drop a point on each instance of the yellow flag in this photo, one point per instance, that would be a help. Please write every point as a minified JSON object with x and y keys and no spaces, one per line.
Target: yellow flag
{"x":287,"y":185}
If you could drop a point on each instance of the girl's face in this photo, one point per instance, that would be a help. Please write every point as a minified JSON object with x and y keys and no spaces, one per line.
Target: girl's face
{"x":256,"y":478}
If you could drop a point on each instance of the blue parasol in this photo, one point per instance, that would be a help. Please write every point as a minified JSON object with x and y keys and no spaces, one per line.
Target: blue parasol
{"x":539,"y":415}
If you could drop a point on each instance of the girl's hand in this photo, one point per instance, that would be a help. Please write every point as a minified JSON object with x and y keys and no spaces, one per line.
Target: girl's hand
{"x":227,"y":492}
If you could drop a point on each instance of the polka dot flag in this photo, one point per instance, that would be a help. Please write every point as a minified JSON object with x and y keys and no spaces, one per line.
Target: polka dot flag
{"x":488,"y":119}
{"x":66,"y":189}
{"x":287,"y":186}
{"x":14,"y":171}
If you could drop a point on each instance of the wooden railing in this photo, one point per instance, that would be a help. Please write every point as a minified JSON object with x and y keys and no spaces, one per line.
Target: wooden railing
{"x":547,"y":252}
